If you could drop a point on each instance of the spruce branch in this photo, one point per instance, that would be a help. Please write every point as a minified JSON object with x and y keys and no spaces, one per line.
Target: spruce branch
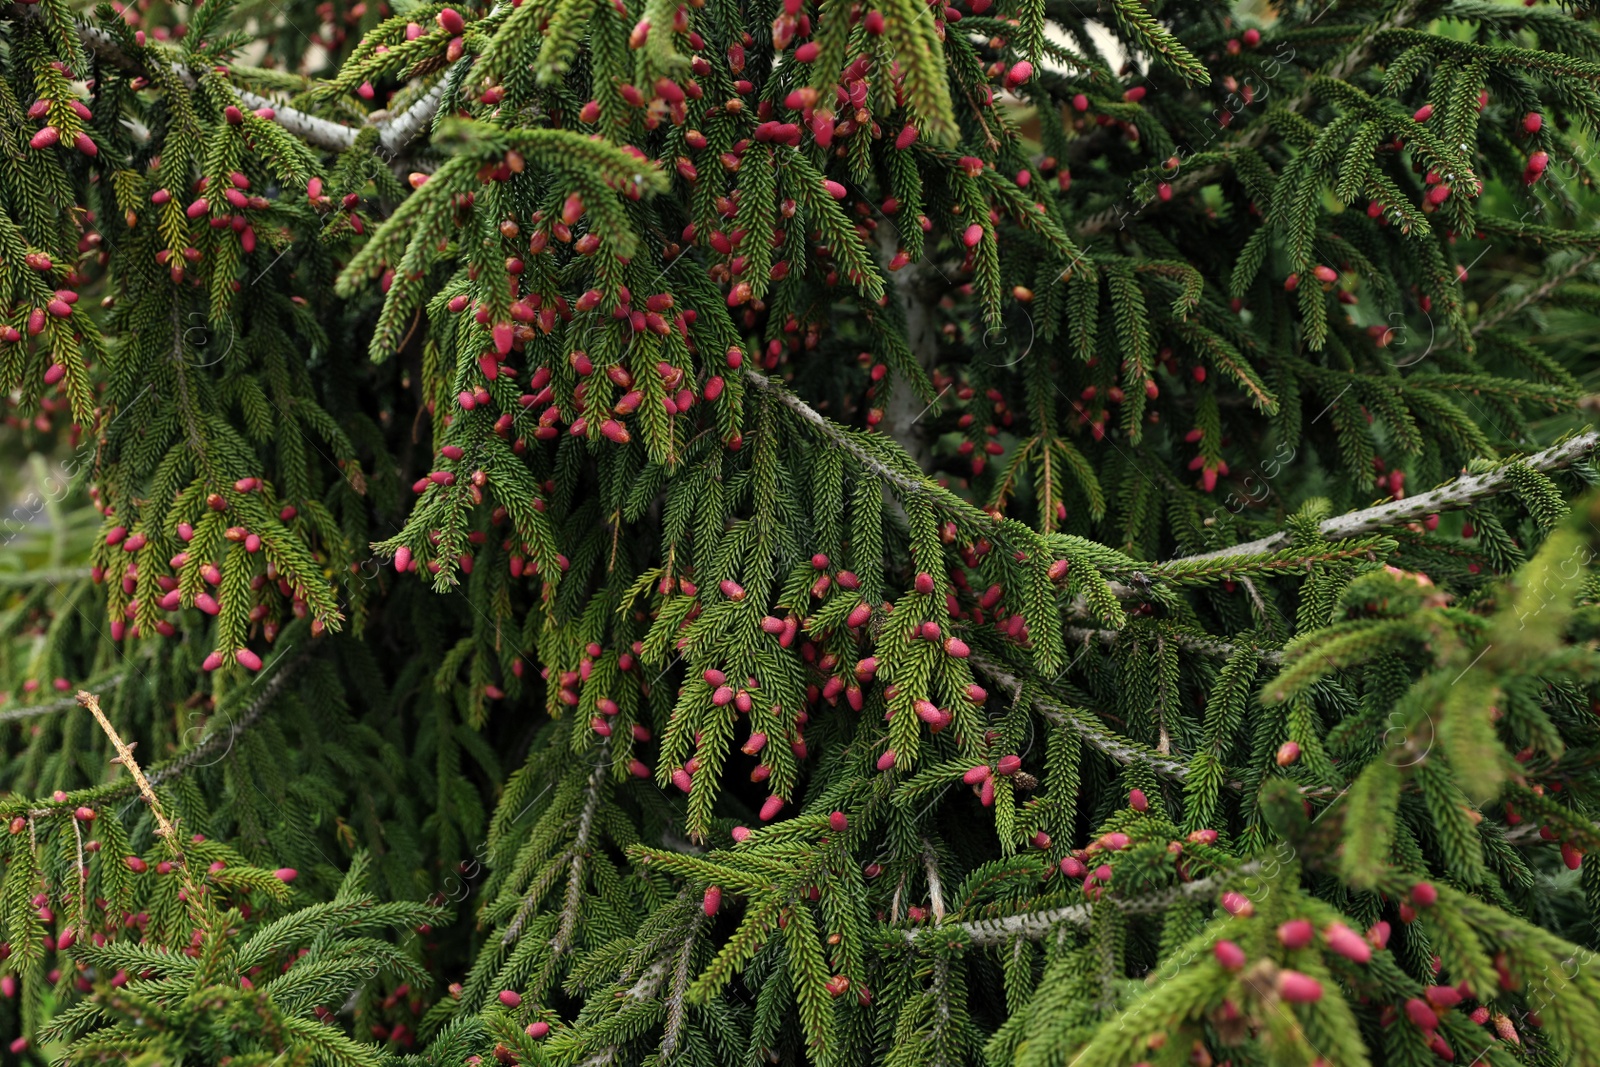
{"x":1206,"y":646}
{"x":224,"y":740}
{"x":1279,"y":560}
{"x":398,"y":131}
{"x":939,"y":993}
{"x":394,"y":133}
{"x":572,"y":905}
{"x":1241,"y":566}
{"x":1118,"y":748}
{"x":930,"y":867}
{"x":920,"y":488}
{"x":605,"y":475}
{"x":1535,"y":296}
{"x":644,"y":989}
{"x":905,"y":407}
{"x":835,"y":434}
{"x":1034,"y":925}
{"x":1353,"y":59}
{"x":677,"y":992}
{"x":50,"y":707}
{"x":44,"y":576}
{"x":1463,"y":492}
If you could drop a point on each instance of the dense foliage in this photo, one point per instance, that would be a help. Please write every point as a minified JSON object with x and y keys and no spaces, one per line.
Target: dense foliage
{"x":1026,"y":532}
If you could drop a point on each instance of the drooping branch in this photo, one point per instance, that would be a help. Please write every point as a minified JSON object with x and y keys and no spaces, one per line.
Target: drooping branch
{"x":1118,"y":748}
{"x":1463,"y":492}
{"x":395,"y":132}
{"x":1339,"y":528}
{"x":572,"y":903}
{"x":909,"y":284}
{"x":678,"y":991}
{"x":580,"y":849}
{"x":223,"y":740}
{"x":1034,"y":925}
{"x":843,"y":439}
{"x":930,"y":866}
{"x":1537,"y":295}
{"x":37,"y":576}
{"x":50,"y":707}
{"x":1206,"y":646}
{"x":218,"y":741}
{"x":1114,"y":218}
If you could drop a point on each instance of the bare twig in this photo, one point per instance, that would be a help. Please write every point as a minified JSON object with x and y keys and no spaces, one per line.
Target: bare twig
{"x":930,"y":865}
{"x":164,"y":828}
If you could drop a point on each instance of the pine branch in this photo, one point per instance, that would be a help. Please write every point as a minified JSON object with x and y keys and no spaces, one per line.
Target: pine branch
{"x":1463,"y":492}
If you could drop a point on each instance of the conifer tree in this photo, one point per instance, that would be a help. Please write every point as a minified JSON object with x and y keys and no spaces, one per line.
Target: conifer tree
{"x":1012,"y":533}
